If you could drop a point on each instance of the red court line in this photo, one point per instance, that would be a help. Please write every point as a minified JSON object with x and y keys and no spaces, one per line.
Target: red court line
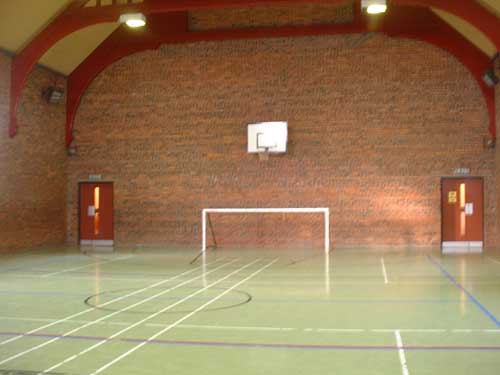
{"x":264,"y":345}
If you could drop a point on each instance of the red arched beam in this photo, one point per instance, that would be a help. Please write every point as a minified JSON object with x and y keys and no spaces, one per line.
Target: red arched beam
{"x":122,"y":42}
{"x":444,"y":36}
{"x":76,"y":17}
{"x":163,"y":29}
{"x":469,"y":10}
{"x":414,"y":23}
{"x":66,"y":23}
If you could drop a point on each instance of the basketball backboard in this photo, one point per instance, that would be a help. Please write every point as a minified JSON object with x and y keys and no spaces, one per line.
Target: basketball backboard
{"x":268,"y":137}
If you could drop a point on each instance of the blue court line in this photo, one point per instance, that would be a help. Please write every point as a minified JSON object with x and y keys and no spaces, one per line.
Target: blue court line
{"x":261,"y":345}
{"x":469,"y":295}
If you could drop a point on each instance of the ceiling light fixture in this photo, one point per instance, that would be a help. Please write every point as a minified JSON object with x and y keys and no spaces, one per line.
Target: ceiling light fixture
{"x":133,"y":19}
{"x":374,"y":6}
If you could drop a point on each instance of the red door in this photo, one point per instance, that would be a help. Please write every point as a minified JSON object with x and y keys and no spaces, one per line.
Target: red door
{"x":96,"y":214}
{"x":462,"y":212}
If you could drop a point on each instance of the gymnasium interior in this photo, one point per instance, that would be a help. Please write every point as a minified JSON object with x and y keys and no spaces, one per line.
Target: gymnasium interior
{"x":249,"y":186}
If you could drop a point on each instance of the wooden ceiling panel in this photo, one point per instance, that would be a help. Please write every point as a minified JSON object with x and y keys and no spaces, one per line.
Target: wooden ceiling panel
{"x":21,"y":20}
{"x":68,"y":53}
{"x":492,"y":5}
{"x":468,"y":31}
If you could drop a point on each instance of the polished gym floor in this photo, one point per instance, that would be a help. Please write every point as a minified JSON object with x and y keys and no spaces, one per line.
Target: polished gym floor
{"x":167,"y":311}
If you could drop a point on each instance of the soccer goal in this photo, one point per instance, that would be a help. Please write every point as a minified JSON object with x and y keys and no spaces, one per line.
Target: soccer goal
{"x":325,"y":211}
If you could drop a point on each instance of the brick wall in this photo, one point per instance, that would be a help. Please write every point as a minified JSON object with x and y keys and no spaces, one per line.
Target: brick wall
{"x":32,"y":166}
{"x":374,"y":123}
{"x":496,"y":213}
{"x":269,"y":16}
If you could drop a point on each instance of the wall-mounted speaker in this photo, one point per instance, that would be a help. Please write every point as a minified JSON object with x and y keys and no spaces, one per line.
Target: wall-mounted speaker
{"x":490,"y":77}
{"x":53,"y":94}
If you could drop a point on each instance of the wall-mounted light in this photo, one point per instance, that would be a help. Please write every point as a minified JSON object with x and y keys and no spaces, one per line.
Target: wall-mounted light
{"x":133,"y":20}
{"x":374,"y":6}
{"x":71,"y":151}
{"x":489,"y":143}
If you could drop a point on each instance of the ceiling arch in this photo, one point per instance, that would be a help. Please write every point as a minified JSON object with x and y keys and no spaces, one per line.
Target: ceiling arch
{"x":420,"y":24}
{"x":82,"y":13}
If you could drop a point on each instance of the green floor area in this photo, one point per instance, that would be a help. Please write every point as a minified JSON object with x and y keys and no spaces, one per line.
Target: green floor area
{"x":155,"y":311}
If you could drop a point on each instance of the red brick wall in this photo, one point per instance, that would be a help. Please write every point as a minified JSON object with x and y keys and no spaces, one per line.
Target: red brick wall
{"x":268,"y":16}
{"x":374,"y":123}
{"x":495,"y":209}
{"x":32,"y":166}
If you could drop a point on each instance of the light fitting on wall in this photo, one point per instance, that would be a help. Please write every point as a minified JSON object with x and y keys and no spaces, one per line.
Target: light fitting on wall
{"x":489,"y":143}
{"x":133,"y":20}
{"x":491,"y":76}
{"x":374,"y":6}
{"x":71,"y":151}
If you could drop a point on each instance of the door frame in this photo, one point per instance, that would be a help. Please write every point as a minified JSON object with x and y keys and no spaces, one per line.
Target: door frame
{"x":441,"y":201}
{"x":95,"y":242}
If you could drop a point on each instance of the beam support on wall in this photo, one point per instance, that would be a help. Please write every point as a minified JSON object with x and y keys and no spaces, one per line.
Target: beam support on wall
{"x":71,"y":19}
{"x":77,"y":16}
{"x":414,"y":23}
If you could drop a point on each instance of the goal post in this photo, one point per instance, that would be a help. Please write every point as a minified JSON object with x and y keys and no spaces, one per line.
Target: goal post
{"x":324,"y":210}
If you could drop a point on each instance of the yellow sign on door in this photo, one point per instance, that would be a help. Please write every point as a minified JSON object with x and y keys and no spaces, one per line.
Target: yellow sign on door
{"x":452,"y":197}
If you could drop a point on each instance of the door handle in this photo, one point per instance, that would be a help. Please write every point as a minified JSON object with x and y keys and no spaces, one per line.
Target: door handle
{"x":91,"y":210}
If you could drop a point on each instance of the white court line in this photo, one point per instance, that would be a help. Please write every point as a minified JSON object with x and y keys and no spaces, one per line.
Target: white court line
{"x":235,"y":328}
{"x":86,"y":265}
{"x":493,"y":260}
{"x":188,"y":326}
{"x":53,"y":320}
{"x":347,"y":330}
{"x":104,"y":304}
{"x":105,"y":317}
{"x":411,"y":330}
{"x":89,"y":277}
{"x":402,"y":357}
{"x":177,"y":322}
{"x":151,"y":316}
{"x":384,"y":271}
{"x":340,"y":282}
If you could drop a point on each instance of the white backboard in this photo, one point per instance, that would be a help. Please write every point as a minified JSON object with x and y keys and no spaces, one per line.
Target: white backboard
{"x":267,"y":136}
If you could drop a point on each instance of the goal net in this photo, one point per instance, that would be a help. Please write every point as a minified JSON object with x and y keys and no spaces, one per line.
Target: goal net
{"x":321,"y":222}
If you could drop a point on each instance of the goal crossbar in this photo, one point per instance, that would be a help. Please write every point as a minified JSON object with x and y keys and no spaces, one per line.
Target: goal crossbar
{"x":324,"y":210}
